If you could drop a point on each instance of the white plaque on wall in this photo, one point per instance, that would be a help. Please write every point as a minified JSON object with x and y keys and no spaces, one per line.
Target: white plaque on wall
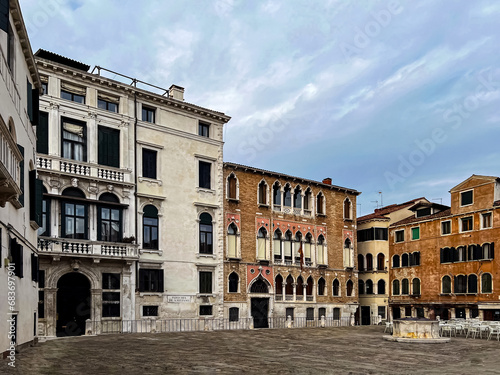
{"x":179,"y":299}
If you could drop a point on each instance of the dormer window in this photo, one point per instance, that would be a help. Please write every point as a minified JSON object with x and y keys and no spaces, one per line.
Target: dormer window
{"x":423,"y":212}
{"x":466,"y":198}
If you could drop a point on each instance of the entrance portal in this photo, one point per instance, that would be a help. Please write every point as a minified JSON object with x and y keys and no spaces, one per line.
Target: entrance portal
{"x":365,"y":315}
{"x":73,"y":304}
{"x":260,"y":307}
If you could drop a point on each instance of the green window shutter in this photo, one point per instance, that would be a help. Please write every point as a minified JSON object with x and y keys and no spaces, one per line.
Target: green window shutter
{"x":42,"y":133}
{"x":35,"y":94}
{"x":29,"y":98}
{"x":4,"y":15}
{"x":109,"y":147}
{"x":36,"y":197}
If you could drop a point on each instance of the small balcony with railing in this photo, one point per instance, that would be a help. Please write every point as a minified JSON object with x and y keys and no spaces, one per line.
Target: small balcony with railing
{"x":89,"y":249}
{"x":79,"y":168}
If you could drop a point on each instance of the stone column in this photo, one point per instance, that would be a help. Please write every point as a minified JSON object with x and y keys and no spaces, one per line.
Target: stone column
{"x":51,"y":310}
{"x":96,"y":310}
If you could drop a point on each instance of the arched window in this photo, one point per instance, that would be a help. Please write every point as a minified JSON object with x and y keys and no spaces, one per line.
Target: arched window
{"x":488,"y":250}
{"x":288,"y":246}
{"x":349,"y":286}
{"x":395,"y":261}
{"x":307,"y":202}
{"x":380,"y":262}
{"x":395,"y":287}
{"x":279,"y":285}
{"x":404,"y":260}
{"x":486,"y":283}
{"x":361,"y":262}
{"x":405,"y":287}
{"x":361,"y":287}
{"x":206,"y":239}
{"x":320,"y":200}
{"x":287,"y":196}
{"x":307,"y":248}
{"x":261,"y":244}
{"x":309,"y":287}
{"x":369,"y":287}
{"x":231,"y":187}
{"x":460,"y":284}
{"x":416,"y":287}
{"x":263,"y":192}
{"x":381,"y":287}
{"x":321,"y":250}
{"x":321,"y":286}
{"x":232,"y":232}
{"x":369,"y":262}
{"x":336,"y":288}
{"x":150,"y":227}
{"x":74,"y":215}
{"x":277,"y":194}
{"x":297,"y":197}
{"x":446,"y":285}
{"x":347,"y":209}
{"x":289,"y":286}
{"x":300,"y":286}
{"x":297,"y":243}
{"x":472,"y":283}
{"x":109,"y":219}
{"x":259,"y":286}
{"x":234,"y":280}
{"x":277,"y":246}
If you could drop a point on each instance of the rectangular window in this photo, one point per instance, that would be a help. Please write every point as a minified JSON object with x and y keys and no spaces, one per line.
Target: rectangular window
{"x":150,"y":229}
{"x":424,"y":212}
{"x":486,"y":220}
{"x":205,"y":310}
{"x":74,"y":93}
{"x":4,"y":15}
{"x":234,"y":314}
{"x":466,"y":224}
{"x":148,"y":114}
{"x":204,"y":129}
{"x":445,"y":227}
{"x":381,"y":311}
{"x":34,"y":268}
{"x":400,"y":236}
{"x":310,"y":313}
{"x":466,"y":198}
{"x":74,"y":220}
{"x":149,"y":310}
{"x":110,"y":223}
{"x":370,"y":234}
{"x":42,"y":133}
{"x":415,"y":233}
{"x":289,"y":312}
{"x":108,"y":104}
{"x":151,"y":280}
{"x":336,"y":313}
{"x":73,"y":140}
{"x":11,"y":48}
{"x":205,"y":282}
{"x":321,"y":312}
{"x":111,"y":295}
{"x":149,"y":163}
{"x":45,"y":90}
{"x":21,"y":175}
{"x":16,"y":254}
{"x":41,"y":304}
{"x":108,"y":147}
{"x":204,"y":174}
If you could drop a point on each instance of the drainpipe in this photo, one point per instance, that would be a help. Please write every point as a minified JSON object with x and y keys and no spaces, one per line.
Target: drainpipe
{"x":135,"y":192}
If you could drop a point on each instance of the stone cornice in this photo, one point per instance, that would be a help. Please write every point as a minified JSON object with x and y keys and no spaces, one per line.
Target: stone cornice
{"x":150,"y":97}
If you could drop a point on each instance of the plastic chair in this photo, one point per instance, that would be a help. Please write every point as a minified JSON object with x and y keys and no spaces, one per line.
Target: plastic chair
{"x":494,"y":330}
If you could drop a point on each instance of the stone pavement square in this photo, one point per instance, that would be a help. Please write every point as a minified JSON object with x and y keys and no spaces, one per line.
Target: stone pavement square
{"x":340,"y":350}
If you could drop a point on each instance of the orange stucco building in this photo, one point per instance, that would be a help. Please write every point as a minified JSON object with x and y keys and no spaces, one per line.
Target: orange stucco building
{"x":442,"y":258}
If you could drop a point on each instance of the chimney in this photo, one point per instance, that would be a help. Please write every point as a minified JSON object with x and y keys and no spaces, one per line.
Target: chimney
{"x":327,"y":181}
{"x":176,"y":92}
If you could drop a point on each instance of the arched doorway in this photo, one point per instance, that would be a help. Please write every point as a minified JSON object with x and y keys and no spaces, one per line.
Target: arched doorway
{"x":260,"y":306}
{"x":73,"y":304}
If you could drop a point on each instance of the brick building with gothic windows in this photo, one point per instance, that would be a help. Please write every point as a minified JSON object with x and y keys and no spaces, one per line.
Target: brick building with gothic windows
{"x":289,"y":248}
{"x":443,"y":258}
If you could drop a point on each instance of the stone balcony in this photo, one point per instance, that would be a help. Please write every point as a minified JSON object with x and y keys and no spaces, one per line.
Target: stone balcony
{"x":87,"y":249}
{"x":78,"y":168}
{"x":10,"y":157}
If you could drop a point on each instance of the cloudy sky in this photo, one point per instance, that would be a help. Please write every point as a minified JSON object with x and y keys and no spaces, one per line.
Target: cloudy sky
{"x":398,"y":97}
